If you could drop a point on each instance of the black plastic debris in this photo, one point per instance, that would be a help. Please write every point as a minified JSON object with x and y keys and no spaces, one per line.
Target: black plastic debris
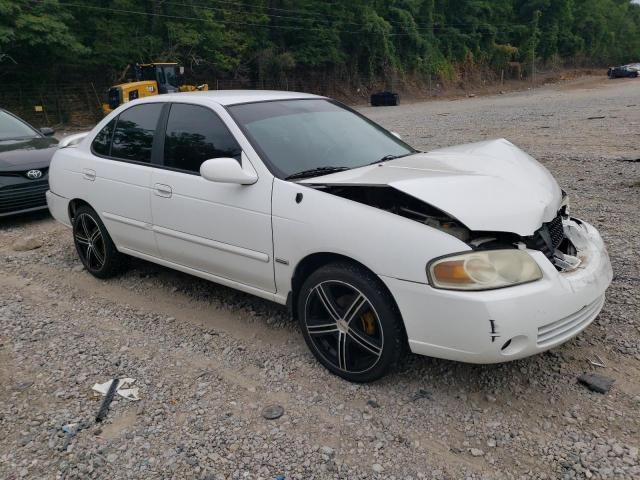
{"x":108,"y":398}
{"x":596,"y":383}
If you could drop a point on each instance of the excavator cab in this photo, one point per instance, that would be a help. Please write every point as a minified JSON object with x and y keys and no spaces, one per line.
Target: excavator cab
{"x":149,"y":79}
{"x":164,"y":74}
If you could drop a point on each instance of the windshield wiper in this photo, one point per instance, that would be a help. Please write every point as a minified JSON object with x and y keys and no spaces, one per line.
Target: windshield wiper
{"x":15,"y":138}
{"x":391,"y":157}
{"x":314,"y":172}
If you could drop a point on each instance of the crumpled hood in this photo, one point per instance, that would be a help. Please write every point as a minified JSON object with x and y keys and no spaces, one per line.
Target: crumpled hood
{"x":18,"y":155}
{"x":488,"y":186}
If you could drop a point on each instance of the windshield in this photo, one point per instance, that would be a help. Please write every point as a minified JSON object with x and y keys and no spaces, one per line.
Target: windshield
{"x":298,"y":135}
{"x":11,"y":128}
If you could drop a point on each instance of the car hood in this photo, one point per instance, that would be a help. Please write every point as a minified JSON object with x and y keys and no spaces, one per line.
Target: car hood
{"x":18,"y":155}
{"x":488,"y":186}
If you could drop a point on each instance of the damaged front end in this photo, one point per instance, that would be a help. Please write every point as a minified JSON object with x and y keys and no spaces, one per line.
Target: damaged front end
{"x":394,"y":201}
{"x":550,"y":238}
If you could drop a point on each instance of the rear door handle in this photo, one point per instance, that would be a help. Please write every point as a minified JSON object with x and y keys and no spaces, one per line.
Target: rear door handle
{"x":163,"y":190}
{"x":88,"y":174}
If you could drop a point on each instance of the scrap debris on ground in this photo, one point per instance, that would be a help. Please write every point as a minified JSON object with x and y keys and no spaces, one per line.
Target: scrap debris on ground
{"x":208,"y":360}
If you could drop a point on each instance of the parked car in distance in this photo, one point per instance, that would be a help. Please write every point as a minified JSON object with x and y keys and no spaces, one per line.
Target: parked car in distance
{"x":385,"y":99}
{"x":25,"y":154}
{"x":628,"y":71}
{"x":466,"y":253}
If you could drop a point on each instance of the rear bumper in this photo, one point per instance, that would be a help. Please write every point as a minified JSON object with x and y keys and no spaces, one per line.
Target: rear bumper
{"x":59,"y":208}
{"x":511,"y":323}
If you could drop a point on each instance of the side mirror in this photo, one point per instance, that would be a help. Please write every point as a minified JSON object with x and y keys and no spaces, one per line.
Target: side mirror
{"x":47,"y":132}
{"x":397,"y":135}
{"x":228,"y":170}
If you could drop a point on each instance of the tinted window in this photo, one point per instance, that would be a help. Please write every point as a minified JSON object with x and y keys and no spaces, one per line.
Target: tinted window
{"x":133,"y":137}
{"x":102,"y":143}
{"x":160,"y":75}
{"x":195,"y":134}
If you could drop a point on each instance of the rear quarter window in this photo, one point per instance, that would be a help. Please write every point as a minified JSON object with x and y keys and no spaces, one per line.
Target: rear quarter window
{"x":102,"y":143}
{"x":134,"y":132}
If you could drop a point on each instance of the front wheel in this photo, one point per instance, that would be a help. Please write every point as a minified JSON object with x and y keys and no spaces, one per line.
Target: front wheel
{"x":350,"y":322}
{"x":95,"y":248}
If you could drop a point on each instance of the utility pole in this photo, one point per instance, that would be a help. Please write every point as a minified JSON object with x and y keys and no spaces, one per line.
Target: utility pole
{"x":533,"y":68}
{"x":534,"y":44}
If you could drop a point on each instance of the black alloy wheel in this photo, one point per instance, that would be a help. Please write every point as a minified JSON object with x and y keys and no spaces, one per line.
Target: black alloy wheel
{"x":350,"y":322}
{"x":95,"y":248}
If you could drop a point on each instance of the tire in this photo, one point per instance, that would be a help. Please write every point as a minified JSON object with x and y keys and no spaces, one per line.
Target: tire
{"x":350,"y":322}
{"x":95,"y":248}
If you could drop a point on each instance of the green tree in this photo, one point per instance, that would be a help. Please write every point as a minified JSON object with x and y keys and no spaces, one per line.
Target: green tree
{"x":35,"y":32}
{"x":270,"y":41}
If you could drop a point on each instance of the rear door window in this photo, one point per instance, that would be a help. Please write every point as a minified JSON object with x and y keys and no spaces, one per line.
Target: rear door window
{"x":134,"y":132}
{"x":195,"y":134}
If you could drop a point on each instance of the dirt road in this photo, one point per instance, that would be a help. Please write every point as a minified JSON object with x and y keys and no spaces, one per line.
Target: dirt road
{"x":208,"y":359}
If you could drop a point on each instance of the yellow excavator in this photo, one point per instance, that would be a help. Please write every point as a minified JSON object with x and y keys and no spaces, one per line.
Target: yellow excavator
{"x":150,"y":79}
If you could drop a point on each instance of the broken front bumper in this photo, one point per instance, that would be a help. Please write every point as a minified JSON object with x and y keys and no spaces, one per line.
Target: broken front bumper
{"x":510,"y":323}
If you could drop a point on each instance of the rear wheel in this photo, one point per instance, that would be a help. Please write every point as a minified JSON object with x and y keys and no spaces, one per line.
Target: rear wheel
{"x":350,"y":322}
{"x":95,"y":248}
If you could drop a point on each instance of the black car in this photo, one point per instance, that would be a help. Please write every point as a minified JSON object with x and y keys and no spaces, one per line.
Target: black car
{"x":622,"y":71}
{"x":25,"y":154}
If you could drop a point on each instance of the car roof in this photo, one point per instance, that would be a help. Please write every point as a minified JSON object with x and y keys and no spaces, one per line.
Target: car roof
{"x":234,"y":97}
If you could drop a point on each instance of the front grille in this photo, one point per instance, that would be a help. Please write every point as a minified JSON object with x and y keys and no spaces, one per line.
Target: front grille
{"x":23,"y":196}
{"x":556,"y":231}
{"x":567,"y":327}
{"x":23,"y":173}
{"x":548,"y":237}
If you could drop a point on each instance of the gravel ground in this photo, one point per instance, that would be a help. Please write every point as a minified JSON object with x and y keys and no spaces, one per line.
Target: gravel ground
{"x":208,"y":359}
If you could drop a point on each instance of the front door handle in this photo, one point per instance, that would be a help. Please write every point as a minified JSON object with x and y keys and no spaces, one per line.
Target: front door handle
{"x":88,"y":174}
{"x":163,"y":190}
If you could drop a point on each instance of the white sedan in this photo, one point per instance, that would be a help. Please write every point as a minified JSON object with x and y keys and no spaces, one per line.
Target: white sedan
{"x":466,"y":253}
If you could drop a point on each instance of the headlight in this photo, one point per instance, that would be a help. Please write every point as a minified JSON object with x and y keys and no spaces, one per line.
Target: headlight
{"x":483,"y":270}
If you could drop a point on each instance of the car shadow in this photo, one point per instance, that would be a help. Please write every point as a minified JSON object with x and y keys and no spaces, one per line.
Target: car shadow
{"x":202,"y":290}
{"x":535,"y":379}
{"x":25,"y":219}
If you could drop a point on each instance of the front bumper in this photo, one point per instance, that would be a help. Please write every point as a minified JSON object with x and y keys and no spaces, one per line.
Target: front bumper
{"x":22,"y":195}
{"x":510,"y":323}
